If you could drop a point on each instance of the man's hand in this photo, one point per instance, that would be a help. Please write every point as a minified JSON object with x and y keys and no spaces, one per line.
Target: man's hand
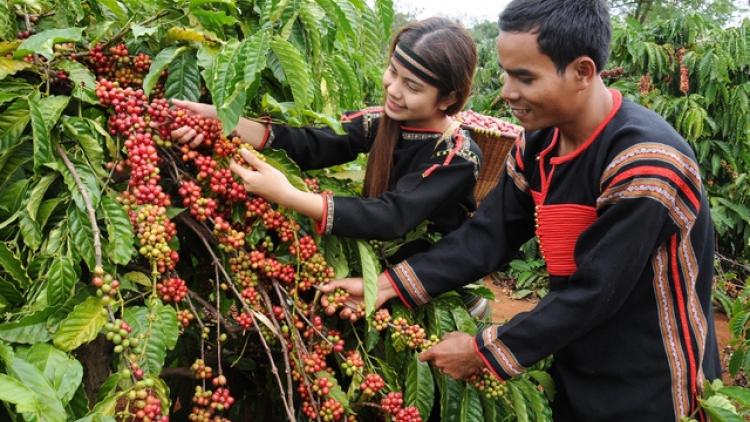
{"x":355,"y":287}
{"x":454,"y":355}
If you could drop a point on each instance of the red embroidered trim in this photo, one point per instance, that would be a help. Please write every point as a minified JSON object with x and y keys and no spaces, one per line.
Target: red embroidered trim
{"x":486,"y":362}
{"x":616,"y":103}
{"x":676,"y":279}
{"x":322,"y":225}
{"x":398,"y":291}
{"x":659,"y":172}
{"x":267,"y":119}
{"x":558,"y":229}
{"x":459,"y":144}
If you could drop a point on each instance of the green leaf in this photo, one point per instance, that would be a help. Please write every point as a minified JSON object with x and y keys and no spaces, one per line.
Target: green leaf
{"x":106,"y":407}
{"x":44,"y":115}
{"x":13,"y":121}
{"x":28,"y":330}
{"x":167,"y":315}
{"x":739,"y":394}
{"x":86,"y":132}
{"x":158,"y":64}
{"x":721,"y":411}
{"x":332,"y":248}
{"x":10,"y":292}
{"x":89,"y":181}
{"x":537,"y":403}
{"x":117,"y":9}
{"x":141,"y":321}
{"x":8,"y":96}
{"x":61,"y":279}
{"x":545,"y":381}
{"x":119,"y":231}
{"x":43,"y":42}
{"x":82,"y":234}
{"x":471,"y":406}
{"x":370,"y":272}
{"x":15,"y":392}
{"x":10,"y":66}
{"x":31,"y":229}
{"x":519,"y":403}
{"x":81,"y":326}
{"x":65,"y":374}
{"x":420,"y":386}
{"x":451,"y":399}
{"x":295,"y":69}
{"x":48,"y":405}
{"x":464,"y":321}
{"x":184,"y":79}
{"x":109,"y":386}
{"x":229,"y":93}
{"x":13,"y":266}
{"x":140,"y":30}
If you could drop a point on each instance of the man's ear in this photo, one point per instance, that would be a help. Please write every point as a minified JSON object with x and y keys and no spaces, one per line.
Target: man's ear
{"x":447,"y":101}
{"x":584,"y":70}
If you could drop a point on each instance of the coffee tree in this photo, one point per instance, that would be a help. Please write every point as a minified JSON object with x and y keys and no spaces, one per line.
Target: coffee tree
{"x":140,"y":282}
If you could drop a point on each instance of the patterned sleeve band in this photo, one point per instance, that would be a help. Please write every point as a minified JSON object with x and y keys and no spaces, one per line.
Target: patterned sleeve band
{"x":269,"y":136}
{"x":407,"y":285}
{"x":411,"y":60}
{"x":326,"y":225}
{"x":498,"y":358}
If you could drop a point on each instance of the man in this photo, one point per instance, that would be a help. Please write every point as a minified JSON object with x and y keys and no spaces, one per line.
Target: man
{"x":614,"y":196}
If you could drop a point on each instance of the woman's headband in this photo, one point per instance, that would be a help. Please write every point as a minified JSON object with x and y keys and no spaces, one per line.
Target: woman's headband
{"x":411,"y":60}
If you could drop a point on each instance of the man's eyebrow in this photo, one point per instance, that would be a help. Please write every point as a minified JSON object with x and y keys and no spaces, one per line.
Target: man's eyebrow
{"x":517,"y":72}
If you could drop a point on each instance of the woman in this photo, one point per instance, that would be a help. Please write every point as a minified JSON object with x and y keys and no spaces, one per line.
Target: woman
{"x":421,"y":165}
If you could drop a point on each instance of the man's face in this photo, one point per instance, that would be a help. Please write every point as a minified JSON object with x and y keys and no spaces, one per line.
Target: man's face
{"x":538,"y":94}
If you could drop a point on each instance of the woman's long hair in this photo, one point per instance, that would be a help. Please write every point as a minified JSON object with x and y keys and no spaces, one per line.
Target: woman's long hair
{"x":450,"y":53}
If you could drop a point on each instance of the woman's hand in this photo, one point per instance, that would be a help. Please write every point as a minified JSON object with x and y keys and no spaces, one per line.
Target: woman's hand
{"x":263,"y":180}
{"x":187,"y":134}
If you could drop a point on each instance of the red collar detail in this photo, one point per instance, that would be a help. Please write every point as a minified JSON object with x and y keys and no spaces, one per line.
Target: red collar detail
{"x":616,"y":103}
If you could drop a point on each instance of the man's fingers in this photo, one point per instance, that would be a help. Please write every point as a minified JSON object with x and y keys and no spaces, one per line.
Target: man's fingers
{"x":426,"y":356}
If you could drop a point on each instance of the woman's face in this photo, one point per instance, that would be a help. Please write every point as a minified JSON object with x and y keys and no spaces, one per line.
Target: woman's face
{"x":411,"y":100}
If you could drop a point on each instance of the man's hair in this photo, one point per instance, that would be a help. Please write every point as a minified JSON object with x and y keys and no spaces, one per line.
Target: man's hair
{"x":567,"y":29}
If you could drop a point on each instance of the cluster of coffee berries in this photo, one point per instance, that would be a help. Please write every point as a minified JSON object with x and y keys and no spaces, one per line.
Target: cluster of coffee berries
{"x":201,"y":208}
{"x":353,"y":363}
{"x":407,"y":414}
{"x":184,"y":317}
{"x":118,"y":332}
{"x":371,"y":385}
{"x":154,"y":231}
{"x":611,"y":73}
{"x":146,"y":406}
{"x":392,"y":403}
{"x":411,"y":336}
{"x":645,"y":85}
{"x":106,"y":285}
{"x":201,"y":370}
{"x":172,"y":289}
{"x":487,"y":385}
{"x":684,"y":71}
{"x":381,"y":319}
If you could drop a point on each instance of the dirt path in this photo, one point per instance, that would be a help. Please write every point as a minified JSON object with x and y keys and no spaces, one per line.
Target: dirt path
{"x":505,"y":308}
